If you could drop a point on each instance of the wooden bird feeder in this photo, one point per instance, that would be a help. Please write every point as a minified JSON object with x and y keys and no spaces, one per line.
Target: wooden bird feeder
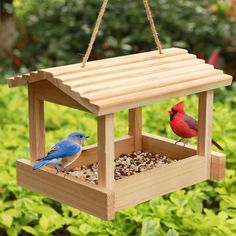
{"x":104,"y":87}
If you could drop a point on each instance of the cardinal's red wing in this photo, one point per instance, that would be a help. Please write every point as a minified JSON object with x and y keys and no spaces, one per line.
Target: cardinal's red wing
{"x":191,"y":122}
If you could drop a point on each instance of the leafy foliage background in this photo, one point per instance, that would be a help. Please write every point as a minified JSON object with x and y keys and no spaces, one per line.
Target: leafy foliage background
{"x":53,"y":33}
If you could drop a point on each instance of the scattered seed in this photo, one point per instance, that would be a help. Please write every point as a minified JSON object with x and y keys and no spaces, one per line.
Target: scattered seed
{"x":125,"y":165}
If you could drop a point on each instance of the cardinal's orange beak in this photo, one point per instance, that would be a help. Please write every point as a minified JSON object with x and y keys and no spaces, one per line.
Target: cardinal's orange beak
{"x":170,"y":112}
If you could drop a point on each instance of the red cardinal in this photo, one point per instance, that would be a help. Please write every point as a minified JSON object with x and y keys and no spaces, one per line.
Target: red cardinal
{"x":183,"y":125}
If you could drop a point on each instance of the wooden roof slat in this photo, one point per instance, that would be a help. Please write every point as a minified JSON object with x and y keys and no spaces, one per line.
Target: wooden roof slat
{"x":112,"y":70}
{"x":16,"y":81}
{"x":125,"y":81}
{"x":146,"y":85}
{"x":93,"y":65}
{"x":143,"y":70}
{"x":169,"y":91}
{"x":157,"y":69}
{"x":137,"y":73}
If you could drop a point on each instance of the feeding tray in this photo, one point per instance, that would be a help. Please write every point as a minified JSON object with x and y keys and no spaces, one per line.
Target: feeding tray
{"x":102,"y":88}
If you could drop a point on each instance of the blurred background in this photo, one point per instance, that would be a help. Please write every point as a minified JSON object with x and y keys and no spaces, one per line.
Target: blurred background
{"x":36,"y":34}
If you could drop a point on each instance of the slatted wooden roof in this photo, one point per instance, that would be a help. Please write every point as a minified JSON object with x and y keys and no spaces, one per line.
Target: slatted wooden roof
{"x":109,"y":85}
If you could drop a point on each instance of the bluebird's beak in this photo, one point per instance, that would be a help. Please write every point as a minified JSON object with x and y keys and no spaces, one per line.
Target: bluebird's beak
{"x":86,"y":136}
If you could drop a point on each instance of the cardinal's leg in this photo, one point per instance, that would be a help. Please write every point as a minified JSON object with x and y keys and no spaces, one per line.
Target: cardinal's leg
{"x":179,"y":141}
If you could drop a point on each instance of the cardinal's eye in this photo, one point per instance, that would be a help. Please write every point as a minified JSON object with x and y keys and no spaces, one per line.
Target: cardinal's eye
{"x":174,"y":111}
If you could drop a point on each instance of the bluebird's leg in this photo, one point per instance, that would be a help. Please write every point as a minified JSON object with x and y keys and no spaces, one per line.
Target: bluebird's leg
{"x":57,"y":170}
{"x":67,"y":172}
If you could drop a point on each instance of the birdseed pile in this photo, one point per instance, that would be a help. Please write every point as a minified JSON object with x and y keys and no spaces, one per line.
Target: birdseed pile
{"x":125,"y":165}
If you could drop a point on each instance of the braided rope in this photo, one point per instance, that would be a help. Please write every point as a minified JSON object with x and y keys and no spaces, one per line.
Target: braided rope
{"x":95,"y":31}
{"x":98,"y":23}
{"x":154,"y":32}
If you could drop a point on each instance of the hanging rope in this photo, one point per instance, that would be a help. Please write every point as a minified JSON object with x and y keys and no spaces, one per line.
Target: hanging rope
{"x":95,"y":31}
{"x":98,"y":23}
{"x":154,"y":32}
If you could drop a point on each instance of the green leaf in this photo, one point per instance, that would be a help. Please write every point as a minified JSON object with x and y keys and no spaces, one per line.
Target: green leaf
{"x":12,"y":231}
{"x":150,"y":227}
{"x":172,"y":232}
{"x":85,"y":228}
{"x":30,"y":230}
{"x":6,"y":219}
{"x":43,"y":222}
{"x":74,"y":230}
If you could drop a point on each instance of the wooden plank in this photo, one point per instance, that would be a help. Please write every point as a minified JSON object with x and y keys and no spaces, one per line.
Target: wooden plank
{"x":125,"y":67}
{"x":66,"y":89}
{"x":69,"y":190}
{"x":16,"y":81}
{"x":128,"y":76}
{"x":155,"y":95}
{"x":44,"y":90}
{"x":135,"y":127}
{"x":102,"y":77}
{"x":106,"y":151}
{"x":165,"y":146}
{"x":23,"y":79}
{"x":36,"y":125}
{"x":155,"y":75}
{"x":90,"y":155}
{"x":135,"y":96}
{"x":93,"y":65}
{"x":139,"y":72}
{"x":142,"y":84}
{"x":218,"y":166}
{"x":159,"y":181}
{"x":205,"y":108}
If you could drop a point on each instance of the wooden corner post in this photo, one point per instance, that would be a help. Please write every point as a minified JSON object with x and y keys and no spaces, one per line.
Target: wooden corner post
{"x":36,"y":124}
{"x":106,"y":157}
{"x":205,"y":108}
{"x":135,"y":127}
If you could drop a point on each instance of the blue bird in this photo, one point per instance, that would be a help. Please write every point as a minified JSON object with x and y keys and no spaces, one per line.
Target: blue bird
{"x":66,"y":150}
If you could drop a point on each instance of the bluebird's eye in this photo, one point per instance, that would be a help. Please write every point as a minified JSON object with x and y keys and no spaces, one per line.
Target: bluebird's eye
{"x":80,"y":136}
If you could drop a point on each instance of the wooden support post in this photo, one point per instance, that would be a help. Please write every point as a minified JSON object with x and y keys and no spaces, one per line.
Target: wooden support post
{"x":106,"y":152}
{"x":135,"y":127}
{"x":205,"y":127}
{"x":36,"y":125}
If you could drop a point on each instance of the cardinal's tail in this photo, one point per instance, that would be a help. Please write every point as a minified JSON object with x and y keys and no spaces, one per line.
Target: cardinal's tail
{"x":217,"y":145}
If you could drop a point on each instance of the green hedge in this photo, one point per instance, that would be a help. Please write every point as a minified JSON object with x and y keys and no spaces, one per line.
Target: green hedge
{"x":208,"y":208}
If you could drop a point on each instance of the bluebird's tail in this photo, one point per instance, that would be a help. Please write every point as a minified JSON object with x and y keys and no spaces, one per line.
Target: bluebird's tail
{"x":40,"y":164}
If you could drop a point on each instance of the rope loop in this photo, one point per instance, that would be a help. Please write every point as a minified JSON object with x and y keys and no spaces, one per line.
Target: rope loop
{"x":98,"y":23}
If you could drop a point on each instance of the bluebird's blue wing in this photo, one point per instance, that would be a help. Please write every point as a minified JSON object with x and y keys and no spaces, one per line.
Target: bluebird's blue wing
{"x":63,"y":149}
